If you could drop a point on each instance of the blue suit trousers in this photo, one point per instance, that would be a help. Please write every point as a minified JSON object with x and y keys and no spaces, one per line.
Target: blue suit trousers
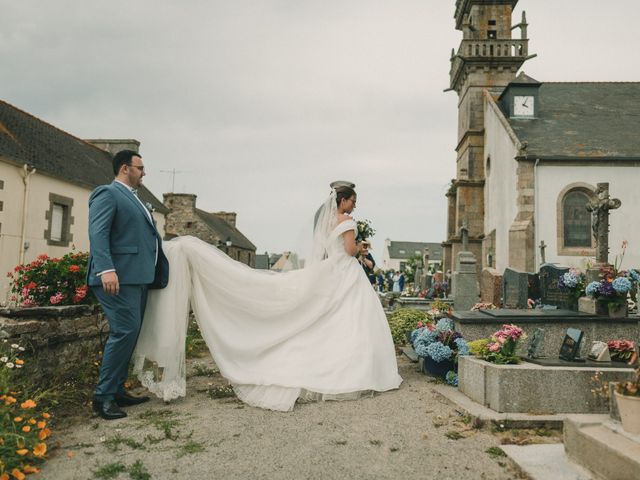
{"x":124,"y":313}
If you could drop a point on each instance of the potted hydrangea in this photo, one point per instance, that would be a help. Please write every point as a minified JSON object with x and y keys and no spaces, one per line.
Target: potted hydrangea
{"x":613,"y":290}
{"x":439,"y":347}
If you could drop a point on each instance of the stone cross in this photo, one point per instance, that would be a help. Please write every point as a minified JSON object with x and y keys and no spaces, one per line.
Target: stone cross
{"x":542,"y":246}
{"x":599,"y":208}
{"x":464,"y":233}
{"x":425,"y":259}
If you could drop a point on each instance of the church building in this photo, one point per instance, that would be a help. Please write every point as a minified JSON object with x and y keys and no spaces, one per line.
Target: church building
{"x":530,"y":153}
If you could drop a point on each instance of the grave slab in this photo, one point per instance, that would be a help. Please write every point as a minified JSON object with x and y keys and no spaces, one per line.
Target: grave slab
{"x":544,"y":462}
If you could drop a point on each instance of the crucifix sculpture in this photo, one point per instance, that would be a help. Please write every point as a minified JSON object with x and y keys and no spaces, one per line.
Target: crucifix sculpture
{"x":542,"y":246}
{"x":599,"y":208}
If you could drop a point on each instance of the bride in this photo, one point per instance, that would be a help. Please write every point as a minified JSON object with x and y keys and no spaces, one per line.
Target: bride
{"x":316,"y":333}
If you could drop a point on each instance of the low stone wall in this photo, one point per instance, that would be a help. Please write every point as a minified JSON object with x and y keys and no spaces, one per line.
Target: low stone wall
{"x":418,"y":303}
{"x":58,"y":340}
{"x":594,"y":328}
{"x":535,"y":389}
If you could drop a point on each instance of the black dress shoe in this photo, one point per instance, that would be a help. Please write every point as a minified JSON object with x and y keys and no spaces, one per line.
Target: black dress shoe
{"x":108,"y":409}
{"x":125,"y":400}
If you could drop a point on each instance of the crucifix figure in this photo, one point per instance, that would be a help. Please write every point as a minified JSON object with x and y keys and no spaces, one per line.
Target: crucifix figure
{"x":464,"y":233}
{"x":542,"y":246}
{"x":599,"y":208}
{"x":425,"y":259}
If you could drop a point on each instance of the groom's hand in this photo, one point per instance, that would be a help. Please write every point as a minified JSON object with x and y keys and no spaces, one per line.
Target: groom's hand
{"x":110,"y":283}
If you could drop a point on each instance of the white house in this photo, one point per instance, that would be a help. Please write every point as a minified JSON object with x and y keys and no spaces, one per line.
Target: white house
{"x":546,"y":146}
{"x":396,"y":253}
{"x":46,"y":177}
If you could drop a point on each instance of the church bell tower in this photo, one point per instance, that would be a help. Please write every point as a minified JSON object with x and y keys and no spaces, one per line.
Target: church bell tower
{"x":488,"y":58}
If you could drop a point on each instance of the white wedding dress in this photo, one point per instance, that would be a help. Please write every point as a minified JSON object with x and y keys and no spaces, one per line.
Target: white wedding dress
{"x":315,"y":333}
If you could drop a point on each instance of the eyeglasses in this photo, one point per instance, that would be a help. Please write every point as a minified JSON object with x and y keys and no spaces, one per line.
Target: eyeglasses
{"x":139,"y":167}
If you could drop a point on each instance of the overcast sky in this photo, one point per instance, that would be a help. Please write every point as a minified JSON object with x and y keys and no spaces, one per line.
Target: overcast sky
{"x":260,"y":104}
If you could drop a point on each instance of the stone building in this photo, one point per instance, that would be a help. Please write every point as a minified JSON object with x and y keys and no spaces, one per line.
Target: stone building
{"x":216,"y":228}
{"x":46,"y":177}
{"x":530,"y":153}
{"x":488,"y":58}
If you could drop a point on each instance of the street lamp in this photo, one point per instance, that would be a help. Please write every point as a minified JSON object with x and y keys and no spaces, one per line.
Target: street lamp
{"x":228,"y":244}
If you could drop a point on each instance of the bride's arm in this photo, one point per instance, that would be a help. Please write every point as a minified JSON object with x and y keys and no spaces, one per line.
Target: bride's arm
{"x":349,"y":238}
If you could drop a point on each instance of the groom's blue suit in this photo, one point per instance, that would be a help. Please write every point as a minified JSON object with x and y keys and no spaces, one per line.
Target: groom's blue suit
{"x":122,"y":237}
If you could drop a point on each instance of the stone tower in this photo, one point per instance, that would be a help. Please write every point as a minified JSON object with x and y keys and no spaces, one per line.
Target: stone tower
{"x":488,"y":58}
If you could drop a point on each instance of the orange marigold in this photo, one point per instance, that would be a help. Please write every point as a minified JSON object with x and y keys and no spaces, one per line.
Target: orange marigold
{"x":26,"y":429}
{"x":17,"y":419}
{"x":46,"y":415}
{"x":4,"y":476}
{"x":44,"y":433}
{"x":30,"y":469}
{"x":18,"y":474}
{"x":28,"y":404}
{"x":42,"y":424}
{"x":22,"y":451}
{"x":9,"y":400}
{"x":19,"y":362}
{"x":40,"y":449}
{"x":32,"y":421}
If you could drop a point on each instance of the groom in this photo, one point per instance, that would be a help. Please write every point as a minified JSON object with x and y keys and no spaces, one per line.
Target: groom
{"x":125,"y":259}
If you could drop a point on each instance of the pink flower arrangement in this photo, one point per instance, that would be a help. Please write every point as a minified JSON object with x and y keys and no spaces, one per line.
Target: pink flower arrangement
{"x":56,"y":299}
{"x":622,"y":350}
{"x":501,"y":348}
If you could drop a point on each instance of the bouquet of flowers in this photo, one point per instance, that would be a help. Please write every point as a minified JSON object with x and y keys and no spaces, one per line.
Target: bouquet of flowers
{"x":483,"y":306}
{"x":573,"y":281}
{"x":51,"y":281}
{"x":615,"y":284}
{"x":622,"y":350}
{"x":501,"y":348}
{"x":365,"y":230}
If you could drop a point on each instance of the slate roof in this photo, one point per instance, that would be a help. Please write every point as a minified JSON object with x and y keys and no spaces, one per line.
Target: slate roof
{"x":410,"y":249}
{"x":27,"y":139}
{"x":223,"y":230}
{"x":597,"y":121}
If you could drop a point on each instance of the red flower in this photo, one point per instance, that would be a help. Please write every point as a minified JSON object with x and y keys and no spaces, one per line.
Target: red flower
{"x":31,"y":285}
{"x":74,"y":268}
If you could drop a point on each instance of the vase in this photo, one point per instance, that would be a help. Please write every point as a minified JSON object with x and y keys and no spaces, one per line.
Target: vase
{"x":439,"y":369}
{"x":617,"y":310}
{"x":629,"y":408}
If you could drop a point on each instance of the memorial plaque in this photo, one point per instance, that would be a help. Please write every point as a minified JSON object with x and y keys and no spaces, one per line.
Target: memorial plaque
{"x":535,"y":346}
{"x":551,"y":293}
{"x":599,"y":352}
{"x":571,"y":344}
{"x":515,"y":289}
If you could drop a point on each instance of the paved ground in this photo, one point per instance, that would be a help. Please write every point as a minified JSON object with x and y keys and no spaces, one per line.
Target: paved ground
{"x":406,"y":434}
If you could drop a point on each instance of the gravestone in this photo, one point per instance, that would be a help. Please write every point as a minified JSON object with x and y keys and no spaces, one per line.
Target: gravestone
{"x":491,"y":286}
{"x":551,"y":293}
{"x":535,"y":345}
{"x":571,"y":344}
{"x":466,"y":290}
{"x":515,"y":289}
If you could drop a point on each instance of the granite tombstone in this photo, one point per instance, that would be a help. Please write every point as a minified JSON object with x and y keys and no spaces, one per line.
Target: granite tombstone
{"x":551,"y":293}
{"x":515,"y":288}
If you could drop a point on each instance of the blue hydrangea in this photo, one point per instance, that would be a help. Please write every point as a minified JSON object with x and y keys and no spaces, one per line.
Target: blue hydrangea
{"x":452,"y":378}
{"x":444,"y":324}
{"x":635,"y":276}
{"x":621,"y":285}
{"x":592,"y":288}
{"x":463,"y":349}
{"x":415,"y":334}
{"x":438,"y":352}
{"x":424,"y":338}
{"x":570,"y":280}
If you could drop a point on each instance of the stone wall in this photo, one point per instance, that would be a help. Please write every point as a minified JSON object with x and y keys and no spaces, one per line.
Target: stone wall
{"x":57,"y":339}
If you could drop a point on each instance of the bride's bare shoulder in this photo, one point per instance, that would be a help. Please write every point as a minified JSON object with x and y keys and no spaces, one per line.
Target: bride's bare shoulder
{"x":343,"y":217}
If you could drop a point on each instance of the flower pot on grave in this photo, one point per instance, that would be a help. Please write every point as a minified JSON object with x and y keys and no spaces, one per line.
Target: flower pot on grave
{"x":439,"y":369}
{"x":617,"y":310}
{"x":629,"y":408}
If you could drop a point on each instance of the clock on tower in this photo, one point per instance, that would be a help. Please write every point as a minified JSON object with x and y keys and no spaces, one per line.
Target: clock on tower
{"x":523,"y":106}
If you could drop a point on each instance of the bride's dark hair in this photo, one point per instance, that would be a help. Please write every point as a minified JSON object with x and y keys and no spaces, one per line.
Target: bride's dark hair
{"x":344,"y":193}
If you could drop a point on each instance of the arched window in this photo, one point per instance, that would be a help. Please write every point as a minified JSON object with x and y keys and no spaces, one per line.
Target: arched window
{"x":575,"y":236}
{"x":577,"y":220}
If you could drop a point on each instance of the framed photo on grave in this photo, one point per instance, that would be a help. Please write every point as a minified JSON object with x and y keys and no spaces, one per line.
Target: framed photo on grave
{"x":571,"y":344}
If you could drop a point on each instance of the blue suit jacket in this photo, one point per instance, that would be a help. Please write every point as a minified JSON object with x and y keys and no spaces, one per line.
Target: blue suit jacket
{"x":124,"y":238}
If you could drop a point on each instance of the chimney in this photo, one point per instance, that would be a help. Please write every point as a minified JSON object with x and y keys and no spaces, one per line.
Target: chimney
{"x":113,"y":146}
{"x":182,"y":213}
{"x":229,"y":217}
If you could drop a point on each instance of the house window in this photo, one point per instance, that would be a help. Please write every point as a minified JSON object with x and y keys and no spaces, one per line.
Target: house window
{"x":577,"y":220}
{"x":575,"y":235}
{"x":1,"y":184}
{"x":401,"y":252}
{"x":1,"y":205}
{"x":59,"y":221}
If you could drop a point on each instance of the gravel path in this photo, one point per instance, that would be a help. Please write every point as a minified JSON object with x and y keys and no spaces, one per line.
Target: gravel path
{"x":406,"y":434}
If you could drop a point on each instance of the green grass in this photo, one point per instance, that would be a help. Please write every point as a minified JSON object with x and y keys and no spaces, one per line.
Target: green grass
{"x":164,"y":421}
{"x":113,"y":444}
{"x":495,"y":452}
{"x":195,"y":344}
{"x":203,"y":371}
{"x":190,"y":448}
{"x":453,"y":435}
{"x":138,"y":471}
{"x":225,"y":391}
{"x":111,"y":470}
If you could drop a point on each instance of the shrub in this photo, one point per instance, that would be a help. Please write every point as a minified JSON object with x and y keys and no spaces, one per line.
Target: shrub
{"x":404,"y":321}
{"x":51,"y":281}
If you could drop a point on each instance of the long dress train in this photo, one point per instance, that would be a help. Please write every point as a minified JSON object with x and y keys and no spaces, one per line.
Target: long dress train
{"x":318,"y":332}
